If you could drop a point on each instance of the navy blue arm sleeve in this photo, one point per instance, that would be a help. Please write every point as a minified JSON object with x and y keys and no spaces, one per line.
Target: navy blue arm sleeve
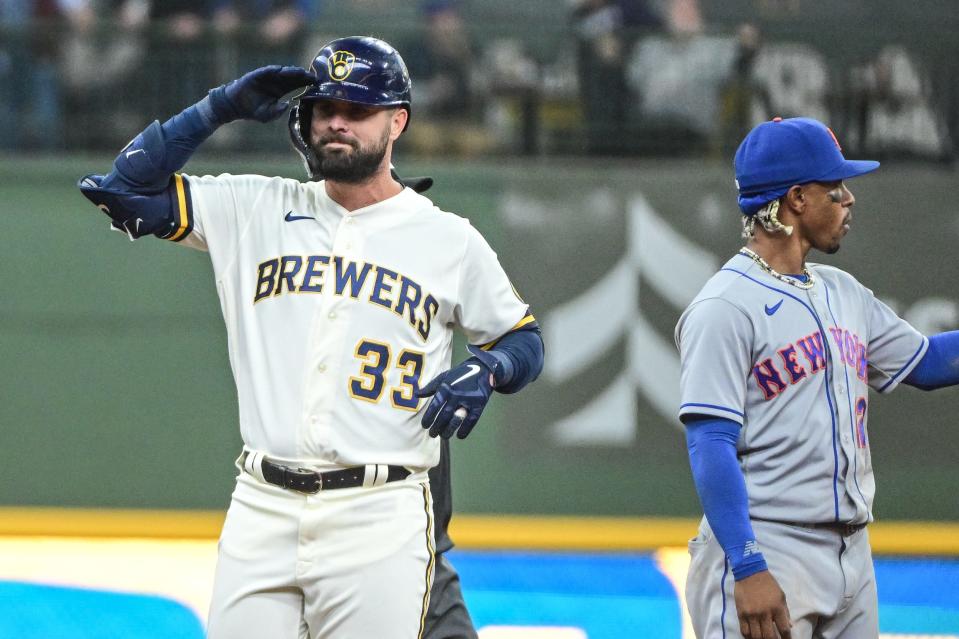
{"x":939,"y":367}
{"x":145,"y":165}
{"x":516,"y":359}
{"x":722,"y":491}
{"x":526,"y":354}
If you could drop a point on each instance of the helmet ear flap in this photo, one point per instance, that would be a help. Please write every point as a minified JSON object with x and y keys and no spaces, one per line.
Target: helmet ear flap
{"x":301,"y":116}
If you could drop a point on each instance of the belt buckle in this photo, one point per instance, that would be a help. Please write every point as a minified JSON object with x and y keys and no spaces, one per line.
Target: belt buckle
{"x":302,"y":480}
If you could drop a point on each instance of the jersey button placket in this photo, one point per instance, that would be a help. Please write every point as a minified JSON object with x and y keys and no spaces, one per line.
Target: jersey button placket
{"x":834,"y":380}
{"x":329,"y":344}
{"x":326,"y":349}
{"x":346,"y":241}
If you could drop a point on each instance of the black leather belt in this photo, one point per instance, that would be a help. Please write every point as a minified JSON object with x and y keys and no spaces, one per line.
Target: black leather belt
{"x":846,"y":530}
{"x":310,"y":482}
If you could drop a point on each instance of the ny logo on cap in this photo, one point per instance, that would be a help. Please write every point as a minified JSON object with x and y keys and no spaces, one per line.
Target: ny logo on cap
{"x":340,"y":65}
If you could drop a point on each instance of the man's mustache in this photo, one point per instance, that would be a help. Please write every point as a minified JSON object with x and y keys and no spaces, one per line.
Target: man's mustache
{"x":326,"y":139}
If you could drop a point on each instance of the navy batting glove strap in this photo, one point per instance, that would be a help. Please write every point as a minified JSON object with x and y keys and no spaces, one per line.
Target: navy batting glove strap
{"x":256,"y":95}
{"x":498,"y":362}
{"x":468,"y":386}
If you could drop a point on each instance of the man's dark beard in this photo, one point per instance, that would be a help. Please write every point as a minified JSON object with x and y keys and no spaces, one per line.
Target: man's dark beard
{"x":351,"y":167}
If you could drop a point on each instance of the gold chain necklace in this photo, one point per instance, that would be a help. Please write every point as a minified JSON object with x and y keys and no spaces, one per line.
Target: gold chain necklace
{"x":808,"y":284}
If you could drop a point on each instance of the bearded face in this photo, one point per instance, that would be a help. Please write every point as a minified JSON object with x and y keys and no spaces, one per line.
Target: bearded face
{"x":345,"y":157}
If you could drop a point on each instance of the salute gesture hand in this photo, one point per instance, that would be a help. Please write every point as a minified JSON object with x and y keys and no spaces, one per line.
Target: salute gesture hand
{"x":256,"y":95}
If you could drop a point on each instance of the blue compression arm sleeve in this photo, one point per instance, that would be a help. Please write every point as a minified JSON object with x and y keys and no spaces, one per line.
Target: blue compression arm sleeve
{"x":939,"y":367}
{"x":722,"y":490}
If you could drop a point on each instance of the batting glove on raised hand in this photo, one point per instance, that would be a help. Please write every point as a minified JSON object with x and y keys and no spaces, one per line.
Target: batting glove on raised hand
{"x":460,"y":394}
{"x":256,"y":95}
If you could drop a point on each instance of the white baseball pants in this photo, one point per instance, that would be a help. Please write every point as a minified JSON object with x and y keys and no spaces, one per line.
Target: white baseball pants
{"x":351,"y":563}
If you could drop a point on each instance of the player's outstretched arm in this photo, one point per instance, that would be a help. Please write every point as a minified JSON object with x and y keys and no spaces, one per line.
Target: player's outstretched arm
{"x":139,"y":194}
{"x":939,"y":366}
{"x":461,"y":393}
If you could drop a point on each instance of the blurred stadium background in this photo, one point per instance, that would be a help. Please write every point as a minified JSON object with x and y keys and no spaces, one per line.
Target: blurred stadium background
{"x":591,"y":141}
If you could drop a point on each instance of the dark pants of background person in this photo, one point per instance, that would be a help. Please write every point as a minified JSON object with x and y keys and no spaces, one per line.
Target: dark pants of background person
{"x":447,"y":616}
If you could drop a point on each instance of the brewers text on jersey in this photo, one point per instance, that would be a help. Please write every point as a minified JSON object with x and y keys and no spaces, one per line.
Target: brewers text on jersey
{"x":391,"y":290}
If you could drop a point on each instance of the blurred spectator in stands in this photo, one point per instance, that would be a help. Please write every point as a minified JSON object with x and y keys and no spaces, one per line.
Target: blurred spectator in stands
{"x":30,"y":102}
{"x":102,"y":54}
{"x":779,"y":9}
{"x":14,"y":22}
{"x":179,"y":43}
{"x":448,"y":102}
{"x":265,"y":31}
{"x":740,"y":92}
{"x":514,"y":81}
{"x":677,"y":78}
{"x":251,"y":34}
{"x":796,"y":79}
{"x":891,"y":112}
{"x":605,"y":31}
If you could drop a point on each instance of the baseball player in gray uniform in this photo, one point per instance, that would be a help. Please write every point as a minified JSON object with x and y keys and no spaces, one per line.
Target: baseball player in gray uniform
{"x":340,"y":297}
{"x":778,"y":356}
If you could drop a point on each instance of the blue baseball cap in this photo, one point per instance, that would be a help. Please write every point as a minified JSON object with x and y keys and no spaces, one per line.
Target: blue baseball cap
{"x":781,"y":153}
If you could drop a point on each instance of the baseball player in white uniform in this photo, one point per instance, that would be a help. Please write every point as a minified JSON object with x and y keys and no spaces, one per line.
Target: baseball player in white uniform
{"x":778,"y":356}
{"x":340,"y":297}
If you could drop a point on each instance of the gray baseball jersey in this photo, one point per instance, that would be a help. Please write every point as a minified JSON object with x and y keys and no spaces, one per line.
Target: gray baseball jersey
{"x":794,"y":367}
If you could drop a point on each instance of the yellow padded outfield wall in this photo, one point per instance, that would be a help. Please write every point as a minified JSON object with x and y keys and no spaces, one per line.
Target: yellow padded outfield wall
{"x":469,"y":531}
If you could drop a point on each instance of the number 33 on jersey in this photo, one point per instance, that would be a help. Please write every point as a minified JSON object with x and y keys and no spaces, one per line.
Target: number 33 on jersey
{"x":334,"y":318}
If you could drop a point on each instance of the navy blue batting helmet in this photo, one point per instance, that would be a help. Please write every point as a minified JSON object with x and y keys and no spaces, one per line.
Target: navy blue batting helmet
{"x":361,"y":70}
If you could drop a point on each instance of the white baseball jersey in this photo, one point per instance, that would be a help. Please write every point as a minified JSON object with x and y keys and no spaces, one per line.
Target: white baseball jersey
{"x":335,"y":317}
{"x":794,"y":367}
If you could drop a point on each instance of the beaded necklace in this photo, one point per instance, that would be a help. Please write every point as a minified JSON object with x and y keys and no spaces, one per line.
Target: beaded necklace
{"x":808,"y":284}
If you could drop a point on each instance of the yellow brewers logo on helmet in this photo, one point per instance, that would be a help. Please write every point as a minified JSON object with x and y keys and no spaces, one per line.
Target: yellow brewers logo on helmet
{"x":341,"y":64}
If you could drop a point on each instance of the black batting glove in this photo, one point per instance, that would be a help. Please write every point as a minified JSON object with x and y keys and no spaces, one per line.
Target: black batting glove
{"x":256,"y":95}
